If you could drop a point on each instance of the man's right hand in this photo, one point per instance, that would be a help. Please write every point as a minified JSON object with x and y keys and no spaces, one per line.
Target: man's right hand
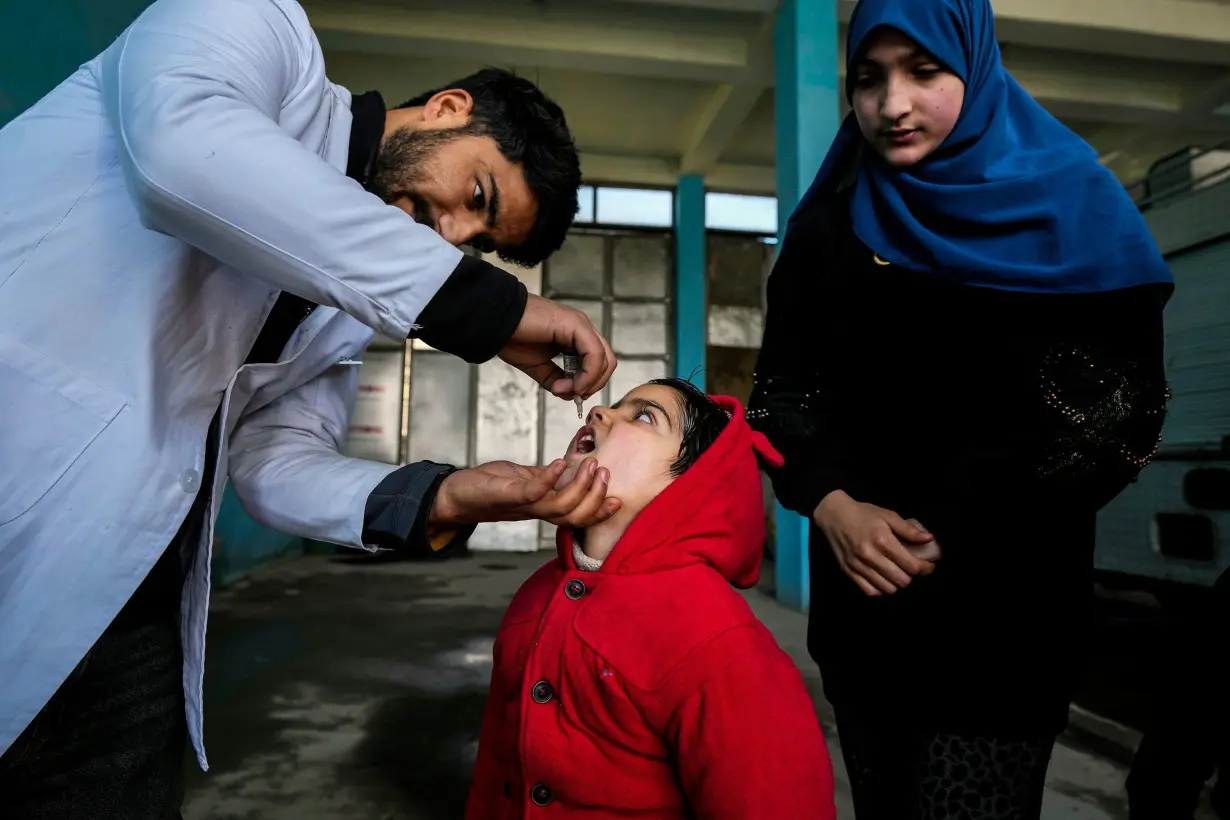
{"x":503,"y":491}
{"x":867,"y":541}
{"x":548,"y":329}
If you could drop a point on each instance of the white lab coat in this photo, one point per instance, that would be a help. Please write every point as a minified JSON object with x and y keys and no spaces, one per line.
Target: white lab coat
{"x":152,"y":207}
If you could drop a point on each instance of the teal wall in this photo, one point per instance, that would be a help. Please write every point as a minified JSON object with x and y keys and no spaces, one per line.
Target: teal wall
{"x":241,"y":545}
{"x":40,"y":45}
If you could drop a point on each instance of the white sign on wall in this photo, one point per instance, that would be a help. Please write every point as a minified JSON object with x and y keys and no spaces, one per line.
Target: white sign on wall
{"x":375,"y":425}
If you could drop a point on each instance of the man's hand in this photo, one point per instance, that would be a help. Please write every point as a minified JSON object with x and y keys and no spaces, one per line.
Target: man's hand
{"x":503,"y":491}
{"x":928,"y":551}
{"x":868,"y":542}
{"x":548,"y":329}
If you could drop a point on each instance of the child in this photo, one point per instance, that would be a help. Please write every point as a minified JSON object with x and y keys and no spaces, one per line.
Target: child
{"x":630,"y":680}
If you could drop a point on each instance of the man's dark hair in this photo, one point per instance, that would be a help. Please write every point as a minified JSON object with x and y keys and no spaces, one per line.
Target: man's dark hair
{"x":702,"y":418}
{"x":530,"y":130}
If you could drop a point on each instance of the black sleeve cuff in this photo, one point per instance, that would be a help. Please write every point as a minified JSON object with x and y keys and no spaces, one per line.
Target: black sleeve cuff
{"x":474,"y":313}
{"x":801,"y":488}
{"x":396,"y":513}
{"x":813,"y":466}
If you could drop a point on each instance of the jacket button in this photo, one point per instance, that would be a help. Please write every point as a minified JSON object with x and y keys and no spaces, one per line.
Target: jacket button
{"x":575,"y":589}
{"x":190,"y":481}
{"x":543,"y":692}
{"x":541,"y":795}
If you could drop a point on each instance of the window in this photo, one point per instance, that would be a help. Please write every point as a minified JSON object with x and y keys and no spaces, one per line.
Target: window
{"x":636,"y":207}
{"x":585,"y":204}
{"x":621,"y":280}
{"x":738,"y":212}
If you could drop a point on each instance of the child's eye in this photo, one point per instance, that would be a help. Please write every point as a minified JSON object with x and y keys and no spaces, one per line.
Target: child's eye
{"x":926,"y":72}
{"x":644,"y":415}
{"x":480,"y":199}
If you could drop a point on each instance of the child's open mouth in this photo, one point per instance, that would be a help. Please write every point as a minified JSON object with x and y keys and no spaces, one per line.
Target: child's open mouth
{"x":584,"y":443}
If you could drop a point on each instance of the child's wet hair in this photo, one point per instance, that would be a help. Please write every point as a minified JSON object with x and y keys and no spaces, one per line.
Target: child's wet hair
{"x":702,"y":420}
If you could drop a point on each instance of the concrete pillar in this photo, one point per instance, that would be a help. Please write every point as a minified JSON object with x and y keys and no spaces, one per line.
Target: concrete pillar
{"x":806,"y":119}
{"x":691,"y":311}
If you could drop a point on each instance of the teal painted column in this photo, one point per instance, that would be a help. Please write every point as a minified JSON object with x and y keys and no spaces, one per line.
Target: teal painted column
{"x":806,"y":120}
{"x":691,"y":310}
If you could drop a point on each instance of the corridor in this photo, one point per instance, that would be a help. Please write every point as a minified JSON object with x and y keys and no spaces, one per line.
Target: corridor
{"x":338,"y":688}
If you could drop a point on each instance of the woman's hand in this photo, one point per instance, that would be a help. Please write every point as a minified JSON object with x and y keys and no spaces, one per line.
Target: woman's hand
{"x":868,"y":542}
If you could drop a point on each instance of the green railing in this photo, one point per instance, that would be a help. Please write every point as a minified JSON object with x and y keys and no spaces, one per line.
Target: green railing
{"x":1146,"y":191}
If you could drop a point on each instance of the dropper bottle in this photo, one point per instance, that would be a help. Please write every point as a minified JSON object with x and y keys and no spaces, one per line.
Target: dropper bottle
{"x":572,"y":366}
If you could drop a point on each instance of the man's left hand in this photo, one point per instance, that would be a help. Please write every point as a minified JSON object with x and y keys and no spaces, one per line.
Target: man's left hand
{"x":548,"y":329}
{"x":503,"y":491}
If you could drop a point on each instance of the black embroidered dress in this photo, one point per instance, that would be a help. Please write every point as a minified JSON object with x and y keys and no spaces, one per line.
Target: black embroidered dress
{"x":1002,"y":421}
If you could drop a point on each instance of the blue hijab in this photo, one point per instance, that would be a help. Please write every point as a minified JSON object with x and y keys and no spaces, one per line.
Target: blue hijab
{"x":1012,"y":200}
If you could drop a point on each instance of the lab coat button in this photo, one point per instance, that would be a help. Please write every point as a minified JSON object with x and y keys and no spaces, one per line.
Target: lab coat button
{"x":190,"y":481}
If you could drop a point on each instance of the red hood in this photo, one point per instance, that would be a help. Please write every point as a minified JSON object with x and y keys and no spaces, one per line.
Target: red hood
{"x":713,"y":514}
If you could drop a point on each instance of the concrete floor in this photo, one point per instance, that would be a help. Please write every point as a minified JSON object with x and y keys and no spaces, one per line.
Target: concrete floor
{"x":340,"y":689}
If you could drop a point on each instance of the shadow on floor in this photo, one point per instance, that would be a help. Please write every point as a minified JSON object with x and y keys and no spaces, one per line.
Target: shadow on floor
{"x":431,"y":777}
{"x":339,"y":689}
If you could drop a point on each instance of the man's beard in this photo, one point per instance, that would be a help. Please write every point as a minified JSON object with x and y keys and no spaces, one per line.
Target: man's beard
{"x":402,"y":165}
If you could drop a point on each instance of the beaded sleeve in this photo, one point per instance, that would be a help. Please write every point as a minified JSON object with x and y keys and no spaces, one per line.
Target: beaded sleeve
{"x":1104,"y":397}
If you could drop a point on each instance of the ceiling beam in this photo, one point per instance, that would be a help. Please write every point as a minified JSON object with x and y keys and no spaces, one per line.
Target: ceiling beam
{"x":623,"y":170}
{"x":749,"y":6}
{"x":1130,"y":151}
{"x":737,"y":178}
{"x":730,"y":104}
{"x":558,"y":40}
{"x":1210,"y":96}
{"x":723,"y":115}
{"x":1087,"y":60}
{"x":1186,"y":31}
{"x":661,"y":171}
{"x":1107,"y":89}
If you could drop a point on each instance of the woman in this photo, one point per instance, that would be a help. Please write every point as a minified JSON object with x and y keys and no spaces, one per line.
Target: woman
{"x":964,"y":334}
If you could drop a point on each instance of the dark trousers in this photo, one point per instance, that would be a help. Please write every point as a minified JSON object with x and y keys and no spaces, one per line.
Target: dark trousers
{"x":1189,"y":738}
{"x":904,"y":773}
{"x":110,"y":743}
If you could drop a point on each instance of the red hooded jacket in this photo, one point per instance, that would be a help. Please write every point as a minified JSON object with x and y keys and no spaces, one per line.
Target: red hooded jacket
{"x":648,"y":689}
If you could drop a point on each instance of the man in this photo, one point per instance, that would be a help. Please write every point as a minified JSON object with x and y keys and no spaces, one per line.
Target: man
{"x":1189,"y":736}
{"x":198,"y":244}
